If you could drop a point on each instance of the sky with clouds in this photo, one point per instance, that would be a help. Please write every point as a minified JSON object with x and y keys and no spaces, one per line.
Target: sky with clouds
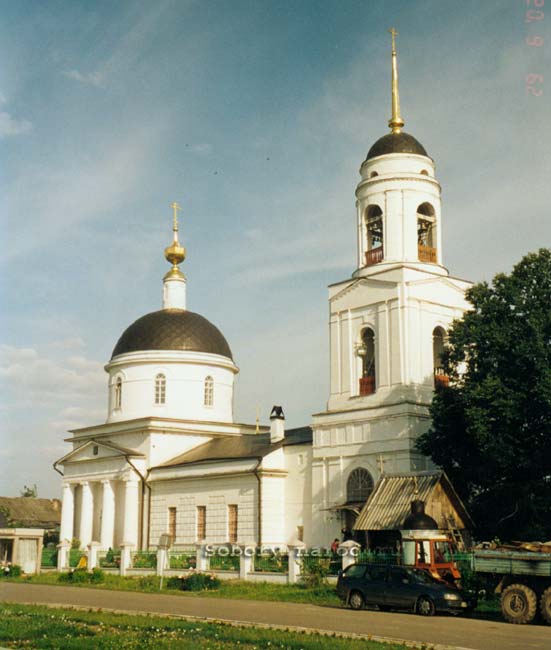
{"x":255,"y":115}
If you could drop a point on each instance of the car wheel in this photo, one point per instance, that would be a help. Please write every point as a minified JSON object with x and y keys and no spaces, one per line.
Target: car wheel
{"x":425,"y":606}
{"x":356,"y":600}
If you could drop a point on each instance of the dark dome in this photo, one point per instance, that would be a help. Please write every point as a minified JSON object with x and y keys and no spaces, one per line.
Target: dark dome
{"x":172,"y":329}
{"x":396,"y":143}
{"x":418,"y":518}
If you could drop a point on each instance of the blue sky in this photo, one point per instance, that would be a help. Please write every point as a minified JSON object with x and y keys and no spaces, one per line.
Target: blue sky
{"x":255,"y":116}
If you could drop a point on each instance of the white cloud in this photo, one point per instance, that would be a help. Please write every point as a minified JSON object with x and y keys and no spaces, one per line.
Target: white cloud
{"x":9,"y":126}
{"x":67,"y":343}
{"x":92,"y":78}
{"x":32,"y":378}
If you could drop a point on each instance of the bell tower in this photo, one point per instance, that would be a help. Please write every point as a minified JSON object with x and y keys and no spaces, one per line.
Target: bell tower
{"x":398,"y":199}
{"x":388,"y":325}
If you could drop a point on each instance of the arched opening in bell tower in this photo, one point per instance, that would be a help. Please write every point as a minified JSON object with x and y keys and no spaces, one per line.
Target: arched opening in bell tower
{"x":367,"y":354}
{"x":426,"y":233}
{"x":374,"y":230}
{"x":438,"y":346}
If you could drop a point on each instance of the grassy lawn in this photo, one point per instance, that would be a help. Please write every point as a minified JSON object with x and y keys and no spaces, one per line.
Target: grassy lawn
{"x":26,"y":626}
{"x":238,"y":589}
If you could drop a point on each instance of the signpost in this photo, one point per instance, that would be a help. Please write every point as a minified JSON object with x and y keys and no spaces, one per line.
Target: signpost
{"x":165,"y":541}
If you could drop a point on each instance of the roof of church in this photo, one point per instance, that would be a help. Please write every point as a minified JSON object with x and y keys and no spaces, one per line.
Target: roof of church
{"x":173,"y":329}
{"x":396,"y":143}
{"x":28,"y":512}
{"x":244,"y":446}
{"x":390,"y":502}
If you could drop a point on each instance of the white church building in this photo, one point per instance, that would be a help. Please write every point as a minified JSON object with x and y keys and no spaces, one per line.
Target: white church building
{"x":170,"y":457}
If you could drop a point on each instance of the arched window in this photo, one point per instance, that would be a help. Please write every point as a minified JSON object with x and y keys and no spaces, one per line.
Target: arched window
{"x":160,"y":389}
{"x":374,"y":228}
{"x":373,"y":174}
{"x":438,"y":343}
{"x":209,"y":391}
{"x":424,"y":172}
{"x":367,"y":353}
{"x":359,"y":486}
{"x":426,"y":233}
{"x":118,"y":393}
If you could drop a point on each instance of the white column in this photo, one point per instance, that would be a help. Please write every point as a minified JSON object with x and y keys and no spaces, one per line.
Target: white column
{"x":67,"y":513}
{"x":107,"y":515}
{"x":130,"y":531}
{"x":86,"y":514}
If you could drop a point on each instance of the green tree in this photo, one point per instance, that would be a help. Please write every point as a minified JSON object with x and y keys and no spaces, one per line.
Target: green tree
{"x":491,"y":427}
{"x":28,"y":491}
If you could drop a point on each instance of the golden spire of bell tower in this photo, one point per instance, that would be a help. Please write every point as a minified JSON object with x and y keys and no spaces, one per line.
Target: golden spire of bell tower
{"x":396,"y":122}
{"x":175,"y":254}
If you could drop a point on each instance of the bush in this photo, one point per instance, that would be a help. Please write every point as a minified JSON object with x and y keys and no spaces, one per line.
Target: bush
{"x":80,"y":576}
{"x":314,"y":571}
{"x":199,"y":582}
{"x":11,"y":571}
{"x":174,"y":582}
{"x":148,"y":582}
{"x":97,"y":575}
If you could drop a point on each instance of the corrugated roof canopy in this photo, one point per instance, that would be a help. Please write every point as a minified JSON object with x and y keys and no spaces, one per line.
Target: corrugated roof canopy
{"x":390,"y":501}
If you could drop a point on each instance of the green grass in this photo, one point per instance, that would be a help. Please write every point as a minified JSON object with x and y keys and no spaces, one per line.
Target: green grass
{"x":29,"y":626}
{"x":238,"y":589}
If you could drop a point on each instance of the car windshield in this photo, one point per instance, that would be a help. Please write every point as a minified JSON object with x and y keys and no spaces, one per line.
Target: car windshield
{"x":421,"y":577}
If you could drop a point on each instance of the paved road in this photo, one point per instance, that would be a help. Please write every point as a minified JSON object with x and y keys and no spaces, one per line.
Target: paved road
{"x":460,"y":632}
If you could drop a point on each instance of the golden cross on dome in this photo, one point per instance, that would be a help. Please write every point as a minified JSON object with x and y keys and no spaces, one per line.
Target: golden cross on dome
{"x":175,"y":207}
{"x":396,"y":122}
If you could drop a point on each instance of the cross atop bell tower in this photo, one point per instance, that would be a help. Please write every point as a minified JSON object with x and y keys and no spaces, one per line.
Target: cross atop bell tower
{"x":396,"y":122}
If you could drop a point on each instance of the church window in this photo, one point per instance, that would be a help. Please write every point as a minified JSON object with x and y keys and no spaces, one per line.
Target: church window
{"x":424,"y":172}
{"x":300,"y":533}
{"x":374,"y":228}
{"x":209,"y":391}
{"x":118,"y":393}
{"x":367,"y":354}
{"x":359,"y":486}
{"x":160,"y":389}
{"x":172,"y":523}
{"x":232,"y":523}
{"x":373,"y":174}
{"x":426,"y":233}
{"x":201,"y":523}
{"x":438,"y":345}
{"x":95,"y":450}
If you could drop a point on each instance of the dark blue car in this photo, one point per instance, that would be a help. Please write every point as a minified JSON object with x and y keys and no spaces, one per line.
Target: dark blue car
{"x":398,"y":587}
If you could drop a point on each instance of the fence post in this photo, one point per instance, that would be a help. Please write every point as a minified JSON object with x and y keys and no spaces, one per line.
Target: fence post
{"x":202,"y":560}
{"x":63,"y":549}
{"x":246,"y":560}
{"x":126,"y":557}
{"x":92,"y":555}
{"x":349,"y":552}
{"x":295,"y":562}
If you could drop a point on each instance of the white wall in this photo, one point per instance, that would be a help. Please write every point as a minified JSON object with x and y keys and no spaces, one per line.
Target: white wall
{"x":216,"y":493}
{"x":185,"y":374}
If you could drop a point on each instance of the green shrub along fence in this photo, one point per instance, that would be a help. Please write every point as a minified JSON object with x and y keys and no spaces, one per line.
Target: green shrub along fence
{"x":74,"y":556}
{"x":49,"y":558}
{"x":109,"y":559}
{"x":182,"y":559}
{"x":270,"y":562}
{"x":224,"y":562}
{"x":143,"y":560}
{"x":328,"y":564}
